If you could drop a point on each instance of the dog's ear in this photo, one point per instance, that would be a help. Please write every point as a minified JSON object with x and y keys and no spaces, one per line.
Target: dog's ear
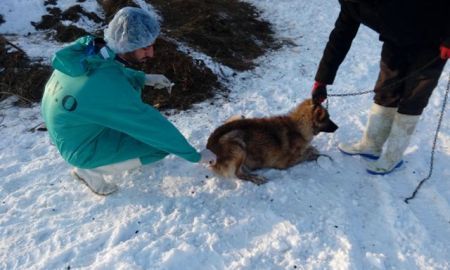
{"x":319,"y":112}
{"x":313,"y":105}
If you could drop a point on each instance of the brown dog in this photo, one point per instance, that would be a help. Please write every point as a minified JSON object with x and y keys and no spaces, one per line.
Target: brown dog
{"x":243,"y":145}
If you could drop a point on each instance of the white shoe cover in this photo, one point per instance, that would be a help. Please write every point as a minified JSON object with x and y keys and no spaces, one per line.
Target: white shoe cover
{"x":94,"y":178}
{"x":95,"y":181}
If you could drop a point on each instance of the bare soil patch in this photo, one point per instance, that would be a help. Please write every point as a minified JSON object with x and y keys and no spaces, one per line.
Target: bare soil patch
{"x":19,"y":75}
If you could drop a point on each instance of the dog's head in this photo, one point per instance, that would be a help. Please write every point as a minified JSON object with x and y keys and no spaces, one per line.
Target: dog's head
{"x":321,"y":120}
{"x":313,"y":117}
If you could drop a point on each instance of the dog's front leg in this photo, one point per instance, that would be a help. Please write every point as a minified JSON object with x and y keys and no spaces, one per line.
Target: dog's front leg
{"x":245,"y":174}
{"x":308,"y":154}
{"x":311,"y":153}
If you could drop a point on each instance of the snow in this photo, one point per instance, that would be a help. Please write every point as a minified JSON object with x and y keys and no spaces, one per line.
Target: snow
{"x":174,"y":214}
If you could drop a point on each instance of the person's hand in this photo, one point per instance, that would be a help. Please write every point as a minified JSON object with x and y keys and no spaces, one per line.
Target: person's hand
{"x":158,"y":81}
{"x":319,"y":92}
{"x":445,"y":52}
{"x":207,"y":157}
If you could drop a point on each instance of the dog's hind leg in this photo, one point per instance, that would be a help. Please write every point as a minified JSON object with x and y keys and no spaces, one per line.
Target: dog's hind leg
{"x":234,"y":163}
{"x":229,"y":157}
{"x":244,"y":173}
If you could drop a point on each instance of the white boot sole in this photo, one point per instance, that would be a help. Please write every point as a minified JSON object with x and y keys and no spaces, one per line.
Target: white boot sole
{"x":373,"y":172}
{"x":366,"y":155}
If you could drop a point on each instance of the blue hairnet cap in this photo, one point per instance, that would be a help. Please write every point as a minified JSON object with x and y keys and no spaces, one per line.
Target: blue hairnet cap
{"x":130,"y":29}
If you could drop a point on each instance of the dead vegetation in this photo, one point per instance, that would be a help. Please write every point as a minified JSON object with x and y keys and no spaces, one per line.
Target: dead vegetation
{"x":19,"y":75}
{"x":229,"y":31}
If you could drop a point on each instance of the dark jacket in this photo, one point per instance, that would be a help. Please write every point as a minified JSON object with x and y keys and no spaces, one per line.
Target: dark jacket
{"x":409,"y":24}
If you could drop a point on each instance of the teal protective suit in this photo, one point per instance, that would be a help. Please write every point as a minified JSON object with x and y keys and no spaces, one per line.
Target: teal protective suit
{"x":95,"y":116}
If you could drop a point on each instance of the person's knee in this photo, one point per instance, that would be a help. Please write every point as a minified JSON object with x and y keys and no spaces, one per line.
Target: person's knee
{"x":408,"y":109}
{"x":387,"y":99}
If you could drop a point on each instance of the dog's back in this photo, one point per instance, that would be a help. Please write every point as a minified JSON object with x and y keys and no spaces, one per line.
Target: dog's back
{"x":254,"y":143}
{"x":278,"y":142}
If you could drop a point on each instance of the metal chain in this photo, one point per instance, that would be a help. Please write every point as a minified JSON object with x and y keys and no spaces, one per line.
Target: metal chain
{"x":434,"y":145}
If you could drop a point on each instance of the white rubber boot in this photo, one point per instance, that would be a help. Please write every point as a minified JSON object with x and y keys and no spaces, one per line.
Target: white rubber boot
{"x":94,"y":178}
{"x":376,"y":132}
{"x":396,"y":144}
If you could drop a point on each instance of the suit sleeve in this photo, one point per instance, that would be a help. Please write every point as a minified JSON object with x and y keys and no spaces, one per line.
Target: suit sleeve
{"x":120,"y":107}
{"x":338,"y":45}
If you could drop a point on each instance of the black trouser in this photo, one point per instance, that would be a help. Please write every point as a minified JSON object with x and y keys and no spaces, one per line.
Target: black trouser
{"x":410,"y":96}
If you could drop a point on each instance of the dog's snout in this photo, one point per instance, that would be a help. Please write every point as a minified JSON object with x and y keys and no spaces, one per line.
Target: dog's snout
{"x":330,"y":127}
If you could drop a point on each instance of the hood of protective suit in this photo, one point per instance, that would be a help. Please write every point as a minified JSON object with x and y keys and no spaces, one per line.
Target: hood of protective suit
{"x":79,"y":58}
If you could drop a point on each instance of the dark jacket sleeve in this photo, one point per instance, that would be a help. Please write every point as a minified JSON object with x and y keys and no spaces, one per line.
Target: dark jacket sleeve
{"x":447,"y":23}
{"x":338,"y":45}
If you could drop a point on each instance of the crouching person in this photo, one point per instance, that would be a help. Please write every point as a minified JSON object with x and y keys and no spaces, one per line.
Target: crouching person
{"x":93,"y":109}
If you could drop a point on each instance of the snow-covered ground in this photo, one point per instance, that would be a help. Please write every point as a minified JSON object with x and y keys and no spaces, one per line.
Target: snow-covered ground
{"x":178,"y":215}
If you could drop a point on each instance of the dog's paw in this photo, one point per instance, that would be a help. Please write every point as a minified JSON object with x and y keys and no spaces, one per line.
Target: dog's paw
{"x":259,"y":180}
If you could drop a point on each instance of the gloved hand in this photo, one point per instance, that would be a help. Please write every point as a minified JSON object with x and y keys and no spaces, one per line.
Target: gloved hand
{"x":158,"y":81}
{"x":319,"y":92}
{"x":445,"y":52}
{"x":207,"y":157}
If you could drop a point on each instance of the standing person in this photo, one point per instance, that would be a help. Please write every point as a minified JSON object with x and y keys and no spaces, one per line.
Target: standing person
{"x":413,"y":32}
{"x":93,"y":109}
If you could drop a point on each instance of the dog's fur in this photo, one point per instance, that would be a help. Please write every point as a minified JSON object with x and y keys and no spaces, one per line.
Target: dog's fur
{"x":242,"y":145}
